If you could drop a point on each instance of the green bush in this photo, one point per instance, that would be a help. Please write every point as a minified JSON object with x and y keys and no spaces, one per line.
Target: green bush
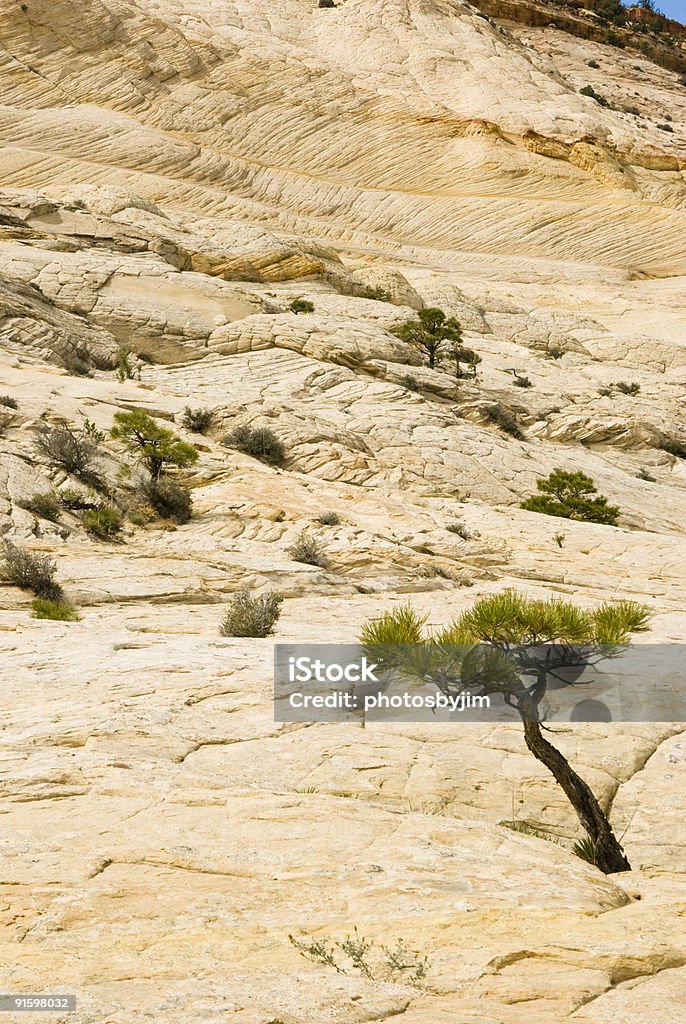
{"x":46,"y":505}
{"x":259,"y":442}
{"x":251,"y":616}
{"x":58,"y":611}
{"x":522,"y":382}
{"x":37,"y":573}
{"x":9,"y":402}
{"x":627,"y":389}
{"x":307,"y":549}
{"x":503,"y":418}
{"x":664,"y":127}
{"x":197,"y":420}
{"x":593,"y":63}
{"x":170,"y":500}
{"x":586,"y":849}
{"x":301,"y":306}
{"x":105,"y":522}
{"x":378,"y":294}
{"x":570,"y":496}
{"x":76,"y":366}
{"x":329,"y":519}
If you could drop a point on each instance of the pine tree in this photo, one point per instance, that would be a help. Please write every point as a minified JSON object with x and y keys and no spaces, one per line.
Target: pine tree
{"x":569,"y":496}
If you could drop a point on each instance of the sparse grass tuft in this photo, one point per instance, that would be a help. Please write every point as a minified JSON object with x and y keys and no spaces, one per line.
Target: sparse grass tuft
{"x":57,"y":611}
{"x":586,"y":849}
{"x":307,"y":549}
{"x":9,"y":402}
{"x":460,"y":529}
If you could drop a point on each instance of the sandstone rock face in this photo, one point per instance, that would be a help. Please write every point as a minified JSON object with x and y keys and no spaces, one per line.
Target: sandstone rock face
{"x":174,"y":175}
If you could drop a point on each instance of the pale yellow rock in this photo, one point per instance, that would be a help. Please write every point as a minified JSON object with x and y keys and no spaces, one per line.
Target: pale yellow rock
{"x":174,"y":174}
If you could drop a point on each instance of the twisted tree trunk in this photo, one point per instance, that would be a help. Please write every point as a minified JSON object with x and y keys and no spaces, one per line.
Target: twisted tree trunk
{"x":609,"y":855}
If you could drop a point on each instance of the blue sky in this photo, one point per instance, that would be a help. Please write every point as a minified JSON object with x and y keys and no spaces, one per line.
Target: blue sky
{"x":672,"y":8}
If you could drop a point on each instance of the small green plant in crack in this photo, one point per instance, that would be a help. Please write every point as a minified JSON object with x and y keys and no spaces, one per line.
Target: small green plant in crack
{"x":627,"y":388}
{"x":586,"y":849}
{"x":559,"y":539}
{"x":357,"y":954}
{"x":9,"y":402}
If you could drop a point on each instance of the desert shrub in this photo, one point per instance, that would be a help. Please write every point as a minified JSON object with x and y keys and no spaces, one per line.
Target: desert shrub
{"x":503,"y":418}
{"x":643,"y":474}
{"x":460,"y":529}
{"x":612,"y":39}
{"x":105,"y":522}
{"x":46,"y":505}
{"x":674,"y":447}
{"x":169,"y":500}
{"x":9,"y":402}
{"x":329,"y":519}
{"x":307,"y":549}
{"x":76,"y":366}
{"x":71,"y":450}
{"x":21,"y":568}
{"x":605,"y":392}
{"x":431,"y":333}
{"x":260,"y":442}
{"x":378,"y":294}
{"x":327,"y":4}
{"x":125,"y":369}
{"x":58,"y":611}
{"x":410,"y":382}
{"x":555,"y":351}
{"x":75,"y":500}
{"x":197,"y":420}
{"x":571,"y":496}
{"x":588,"y":90}
{"x":664,"y":127}
{"x":593,"y":63}
{"x":301,"y":306}
{"x":154,"y":446}
{"x":251,"y":616}
{"x":522,"y":382}
{"x":628,"y":389}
